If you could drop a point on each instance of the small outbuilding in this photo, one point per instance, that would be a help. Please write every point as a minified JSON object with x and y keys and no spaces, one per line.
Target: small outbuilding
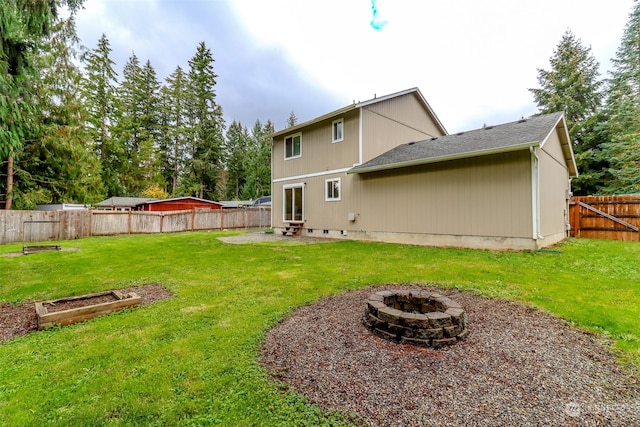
{"x":178,"y":204}
{"x":117,"y":203}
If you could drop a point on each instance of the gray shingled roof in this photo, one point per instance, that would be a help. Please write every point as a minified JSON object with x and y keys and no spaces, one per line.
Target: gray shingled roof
{"x":124,"y":201}
{"x":502,"y":138}
{"x":174,"y":199}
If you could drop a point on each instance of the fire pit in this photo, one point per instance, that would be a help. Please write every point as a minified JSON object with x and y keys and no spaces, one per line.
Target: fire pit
{"x":415,"y":317}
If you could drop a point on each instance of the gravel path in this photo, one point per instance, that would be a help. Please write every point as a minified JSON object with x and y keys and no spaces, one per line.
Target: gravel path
{"x":517,"y":367}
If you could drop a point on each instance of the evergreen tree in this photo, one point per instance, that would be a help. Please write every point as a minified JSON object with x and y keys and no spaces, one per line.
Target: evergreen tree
{"x":206,"y":127}
{"x":57,"y":165}
{"x":236,"y":158}
{"x":23,"y":24}
{"x":623,"y":112}
{"x":258,"y":162}
{"x":138,"y":124}
{"x":572,"y":86}
{"x":292,"y":120}
{"x":174,"y":119}
{"x":99,"y":90}
{"x":126,"y":130}
{"x":150,"y":132}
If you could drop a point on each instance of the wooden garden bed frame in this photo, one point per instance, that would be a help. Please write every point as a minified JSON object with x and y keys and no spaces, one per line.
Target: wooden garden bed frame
{"x":80,"y":314}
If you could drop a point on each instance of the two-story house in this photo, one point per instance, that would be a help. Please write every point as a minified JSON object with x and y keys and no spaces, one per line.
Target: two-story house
{"x":386,"y":170}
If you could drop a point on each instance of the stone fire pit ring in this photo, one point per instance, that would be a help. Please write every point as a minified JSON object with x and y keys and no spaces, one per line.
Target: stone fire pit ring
{"x":421,"y":318}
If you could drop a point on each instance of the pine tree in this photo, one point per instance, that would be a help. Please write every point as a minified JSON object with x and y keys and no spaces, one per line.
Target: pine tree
{"x":174,"y":134}
{"x":292,"y":120}
{"x":623,"y":112}
{"x":206,"y":127}
{"x":138,"y":124}
{"x":57,"y":165}
{"x":126,"y":130}
{"x":23,"y":25}
{"x":573,"y":86}
{"x":236,"y":158}
{"x":150,"y":132}
{"x":258,"y":162}
{"x":99,"y":91}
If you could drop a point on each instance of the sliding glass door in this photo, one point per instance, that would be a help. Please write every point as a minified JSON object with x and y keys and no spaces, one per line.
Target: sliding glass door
{"x":294,"y":203}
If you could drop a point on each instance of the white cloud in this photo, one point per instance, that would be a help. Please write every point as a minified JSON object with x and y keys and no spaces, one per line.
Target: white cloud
{"x":470,"y":58}
{"x":473,"y":59}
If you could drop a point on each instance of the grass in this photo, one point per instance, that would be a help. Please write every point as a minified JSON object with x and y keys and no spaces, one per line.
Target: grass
{"x":193,"y":359}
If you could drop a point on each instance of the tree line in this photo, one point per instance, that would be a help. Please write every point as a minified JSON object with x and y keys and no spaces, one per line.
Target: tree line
{"x":75,"y":131}
{"x":603,"y":115}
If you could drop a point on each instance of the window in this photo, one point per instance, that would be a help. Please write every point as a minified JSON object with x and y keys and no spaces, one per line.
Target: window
{"x":332,"y":190}
{"x":338,"y":130}
{"x":293,"y":146}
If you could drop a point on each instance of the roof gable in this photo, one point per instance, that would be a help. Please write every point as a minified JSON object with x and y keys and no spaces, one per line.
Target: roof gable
{"x":339,"y":112}
{"x":514,"y":136}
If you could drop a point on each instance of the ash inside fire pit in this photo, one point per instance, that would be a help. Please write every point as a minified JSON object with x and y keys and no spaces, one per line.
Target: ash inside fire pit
{"x":415,"y":317}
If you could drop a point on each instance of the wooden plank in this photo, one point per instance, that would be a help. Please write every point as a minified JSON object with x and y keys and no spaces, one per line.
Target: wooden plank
{"x":74,"y":315}
{"x":89,"y":310}
{"x":78,"y":297}
{"x":610,"y":217}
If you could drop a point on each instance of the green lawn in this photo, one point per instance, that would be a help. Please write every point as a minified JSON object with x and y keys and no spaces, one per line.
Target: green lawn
{"x":192,"y":359}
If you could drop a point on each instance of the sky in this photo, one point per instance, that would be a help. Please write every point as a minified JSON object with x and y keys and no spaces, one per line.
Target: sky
{"x":473,"y":60}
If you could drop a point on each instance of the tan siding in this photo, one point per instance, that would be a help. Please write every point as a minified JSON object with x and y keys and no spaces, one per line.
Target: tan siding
{"x":319,"y":153}
{"x":485,"y":196}
{"x":554,"y":185}
{"x":396,"y":121}
{"x":276,"y":205}
{"x":319,"y":214}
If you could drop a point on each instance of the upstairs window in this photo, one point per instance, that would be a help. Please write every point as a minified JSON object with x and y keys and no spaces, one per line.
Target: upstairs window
{"x":338,"y":130}
{"x":332,"y":190}
{"x":293,"y":146}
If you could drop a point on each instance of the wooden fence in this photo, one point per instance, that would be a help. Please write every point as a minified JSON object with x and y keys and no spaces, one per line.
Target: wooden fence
{"x":40,"y":226}
{"x":606,"y":217}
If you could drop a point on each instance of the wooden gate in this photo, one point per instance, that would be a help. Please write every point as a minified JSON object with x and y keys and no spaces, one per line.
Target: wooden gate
{"x":606,"y":217}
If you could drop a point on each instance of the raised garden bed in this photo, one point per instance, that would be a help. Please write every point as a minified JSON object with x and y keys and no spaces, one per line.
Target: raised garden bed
{"x":33,"y":249}
{"x":66,"y":311}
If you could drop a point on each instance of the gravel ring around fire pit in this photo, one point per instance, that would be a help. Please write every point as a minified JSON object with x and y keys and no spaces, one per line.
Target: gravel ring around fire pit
{"x":517,"y":366}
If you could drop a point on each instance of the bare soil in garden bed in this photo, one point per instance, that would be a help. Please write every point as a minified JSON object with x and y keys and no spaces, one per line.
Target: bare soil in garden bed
{"x":20,"y":319}
{"x":78,"y":303}
{"x":518,"y":366}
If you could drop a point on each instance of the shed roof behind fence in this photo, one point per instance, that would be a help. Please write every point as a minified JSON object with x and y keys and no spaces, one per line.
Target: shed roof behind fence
{"x":128,"y":202}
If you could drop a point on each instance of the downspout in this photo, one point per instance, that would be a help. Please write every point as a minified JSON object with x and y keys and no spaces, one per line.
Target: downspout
{"x":360,"y":137}
{"x":271,"y":191}
{"x":568,"y":209}
{"x":535,"y":195}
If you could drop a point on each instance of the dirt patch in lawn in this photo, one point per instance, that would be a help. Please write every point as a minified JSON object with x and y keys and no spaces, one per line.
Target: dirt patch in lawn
{"x":517,"y":367}
{"x":260,"y":237}
{"x":20,"y":319}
